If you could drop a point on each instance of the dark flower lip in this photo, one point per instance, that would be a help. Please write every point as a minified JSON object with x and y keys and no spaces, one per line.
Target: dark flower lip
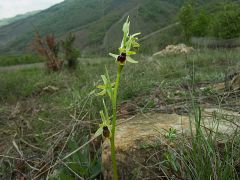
{"x":122,"y":57}
{"x":106,"y":132}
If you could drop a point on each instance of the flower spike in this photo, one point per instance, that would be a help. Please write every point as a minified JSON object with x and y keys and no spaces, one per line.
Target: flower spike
{"x":128,"y":43}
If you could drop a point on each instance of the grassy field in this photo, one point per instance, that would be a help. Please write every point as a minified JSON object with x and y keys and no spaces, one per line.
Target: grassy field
{"x":44,"y":116}
{"x":9,"y":60}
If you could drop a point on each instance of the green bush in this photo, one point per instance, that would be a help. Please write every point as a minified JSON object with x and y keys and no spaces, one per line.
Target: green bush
{"x":200,"y":25}
{"x":226,"y":23}
{"x":71,"y":54}
{"x":186,"y":18}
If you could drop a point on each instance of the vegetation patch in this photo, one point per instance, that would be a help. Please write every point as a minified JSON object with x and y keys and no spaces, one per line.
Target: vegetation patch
{"x":9,"y":60}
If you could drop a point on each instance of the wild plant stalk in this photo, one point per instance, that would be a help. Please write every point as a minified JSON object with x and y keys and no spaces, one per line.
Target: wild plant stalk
{"x":114,"y":121}
{"x":108,"y":127}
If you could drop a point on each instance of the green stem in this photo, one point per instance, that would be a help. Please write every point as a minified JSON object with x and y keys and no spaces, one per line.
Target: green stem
{"x":114,"y":121}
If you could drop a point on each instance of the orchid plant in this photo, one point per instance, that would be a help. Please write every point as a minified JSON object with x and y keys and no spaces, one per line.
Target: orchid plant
{"x":108,"y":126}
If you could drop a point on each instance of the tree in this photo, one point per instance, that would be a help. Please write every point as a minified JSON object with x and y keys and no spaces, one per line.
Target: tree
{"x":200,"y":25}
{"x":226,"y":23}
{"x":71,"y":54}
{"x":186,"y":18}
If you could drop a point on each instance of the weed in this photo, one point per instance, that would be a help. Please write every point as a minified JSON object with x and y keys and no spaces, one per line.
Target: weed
{"x":79,"y":165}
{"x":108,"y":127}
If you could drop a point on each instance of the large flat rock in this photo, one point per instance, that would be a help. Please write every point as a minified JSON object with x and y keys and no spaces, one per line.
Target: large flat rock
{"x":137,"y":136}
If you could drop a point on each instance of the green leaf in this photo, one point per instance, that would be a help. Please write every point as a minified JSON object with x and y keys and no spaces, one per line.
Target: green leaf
{"x":129,"y":59}
{"x":109,"y":84}
{"x":121,"y":50}
{"x":103,"y":116}
{"x":104,"y":79}
{"x":64,"y":175}
{"x":106,"y":112}
{"x":101,"y":87}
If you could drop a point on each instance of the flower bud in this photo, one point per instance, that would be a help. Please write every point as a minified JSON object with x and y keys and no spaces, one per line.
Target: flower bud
{"x":106,"y":132}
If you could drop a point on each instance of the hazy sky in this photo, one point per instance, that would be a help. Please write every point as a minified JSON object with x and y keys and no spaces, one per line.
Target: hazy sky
{"x":10,"y":8}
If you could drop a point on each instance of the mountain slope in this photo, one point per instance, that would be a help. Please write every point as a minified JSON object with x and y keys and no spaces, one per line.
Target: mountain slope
{"x":6,"y":21}
{"x":96,"y":23}
{"x":93,"y":21}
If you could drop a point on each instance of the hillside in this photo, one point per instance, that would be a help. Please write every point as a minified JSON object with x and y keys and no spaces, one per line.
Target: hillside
{"x":93,"y":21}
{"x":97,"y":24}
{"x":6,"y":21}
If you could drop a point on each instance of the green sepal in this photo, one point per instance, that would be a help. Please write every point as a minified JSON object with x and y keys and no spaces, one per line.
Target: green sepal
{"x":131,"y":53}
{"x":113,"y":55}
{"x":122,"y":50}
{"x":131,"y":60}
{"x":126,"y":27}
{"x":98,"y":132}
{"x":136,"y":34}
{"x":101,"y":87}
{"x":102,"y":93}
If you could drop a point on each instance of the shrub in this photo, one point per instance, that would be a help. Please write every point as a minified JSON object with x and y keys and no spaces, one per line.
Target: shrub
{"x":226,"y":24}
{"x":200,"y":25}
{"x":186,"y":18}
{"x":71,"y":54}
{"x":48,"y":48}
